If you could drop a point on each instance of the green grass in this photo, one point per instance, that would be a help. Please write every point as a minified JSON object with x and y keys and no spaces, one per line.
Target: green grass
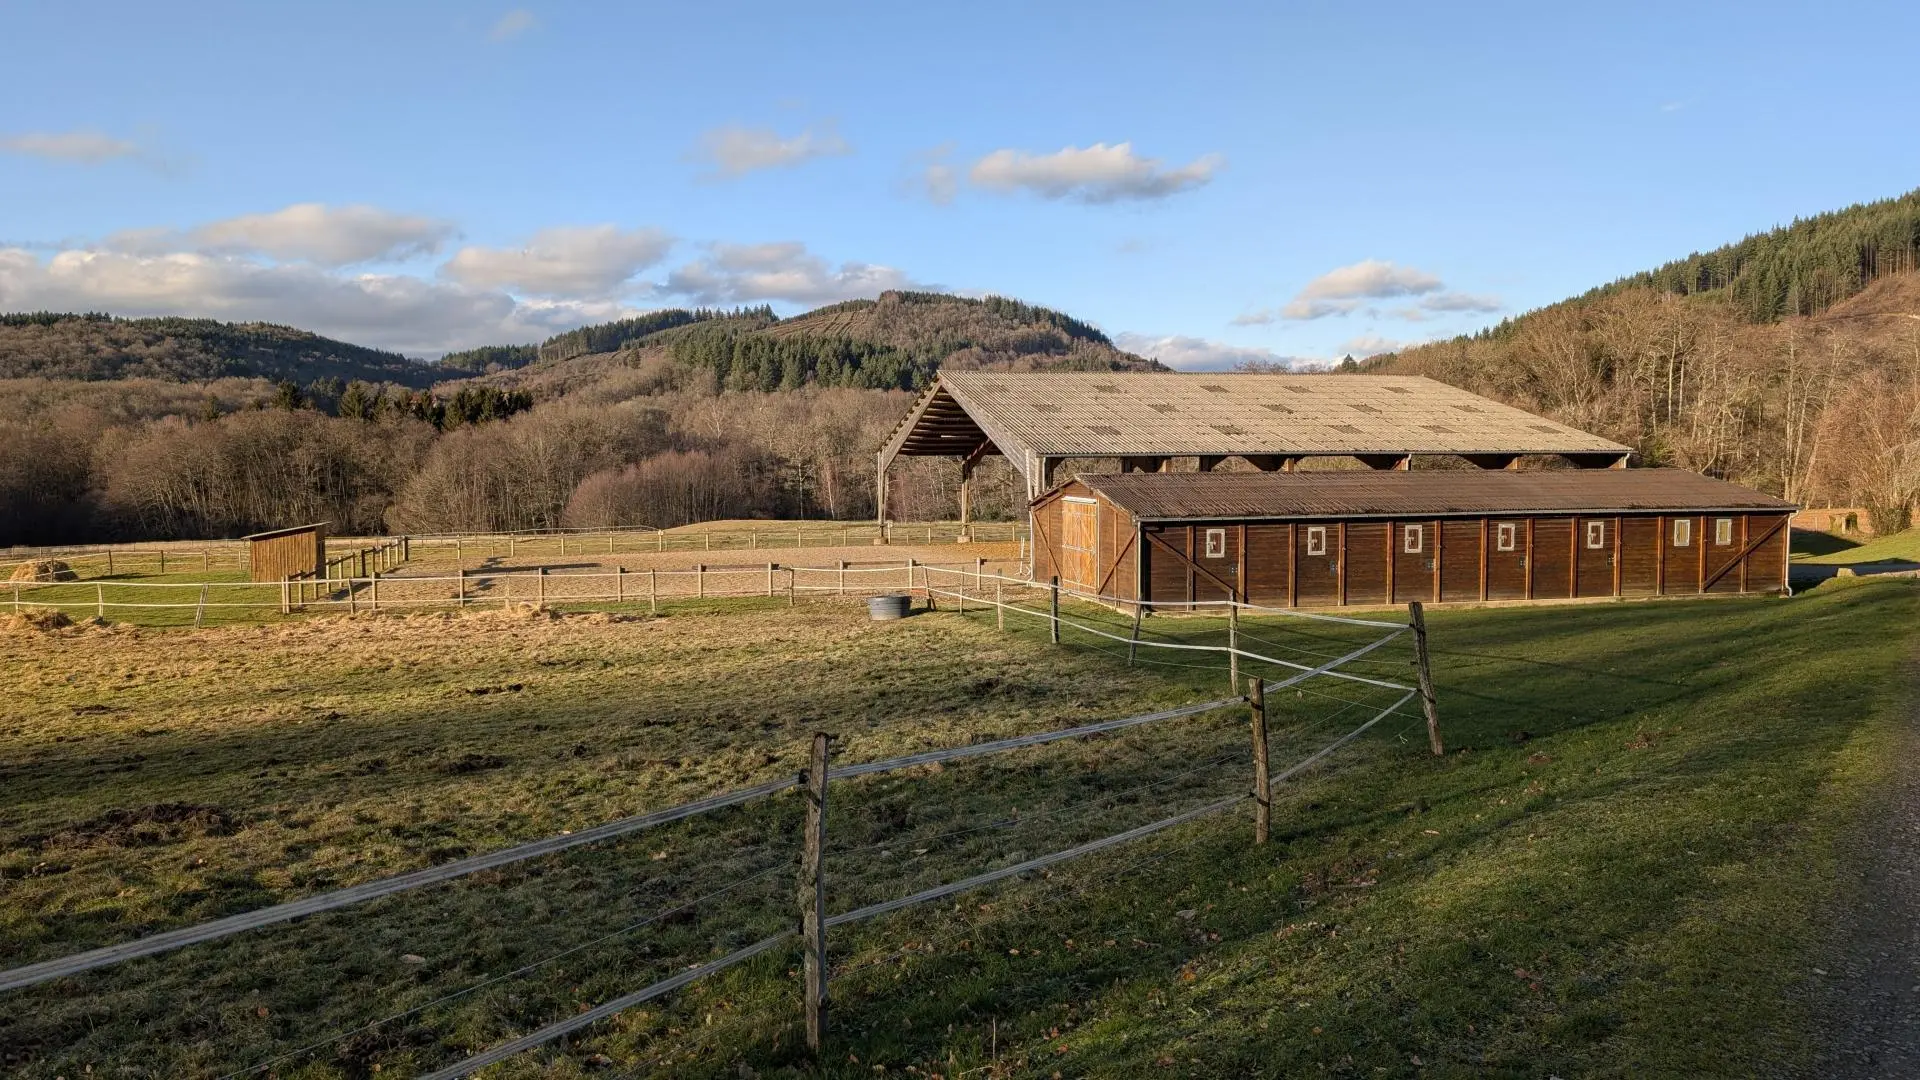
{"x":1900,"y":547}
{"x":1618,"y":870}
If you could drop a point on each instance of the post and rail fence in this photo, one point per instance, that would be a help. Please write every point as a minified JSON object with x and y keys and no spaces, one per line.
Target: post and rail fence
{"x":814,"y":925}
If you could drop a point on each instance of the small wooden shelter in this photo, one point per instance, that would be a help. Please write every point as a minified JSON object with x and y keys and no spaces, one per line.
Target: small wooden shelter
{"x":1361,"y":538}
{"x":298,"y":552}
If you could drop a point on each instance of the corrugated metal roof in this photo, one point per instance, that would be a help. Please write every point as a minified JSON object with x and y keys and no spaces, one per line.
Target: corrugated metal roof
{"x":1424,"y":493}
{"x":1098,"y":414}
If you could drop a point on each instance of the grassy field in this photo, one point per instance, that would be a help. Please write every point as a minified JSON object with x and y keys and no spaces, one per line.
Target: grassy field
{"x":1618,"y":870}
{"x":1900,"y":547}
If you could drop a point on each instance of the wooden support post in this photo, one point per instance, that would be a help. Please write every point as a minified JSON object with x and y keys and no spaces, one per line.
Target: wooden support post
{"x":619,"y":584}
{"x":909,"y":579}
{"x":16,"y":597}
{"x":770,"y":579}
{"x":609,"y":543}
{"x":99,"y":601}
{"x":793,"y":584}
{"x":406,"y":548}
{"x":659,"y":540}
{"x":999,"y":603}
{"x":1262,"y":785}
{"x":842,"y":589}
{"x":700,"y":580}
{"x":109,"y":562}
{"x":460,"y":574}
{"x":459,"y":553}
{"x":352,"y":609}
{"x":510,"y":544}
{"x":1053,"y":608}
{"x":1133,"y":643}
{"x":199,"y":612}
{"x":373,"y":590}
{"x":813,"y":893}
{"x":563,"y":545}
{"x":542,"y":583}
{"x":1424,"y":663}
{"x":163,"y":560}
{"x":653,"y":592}
{"x":203,"y":562}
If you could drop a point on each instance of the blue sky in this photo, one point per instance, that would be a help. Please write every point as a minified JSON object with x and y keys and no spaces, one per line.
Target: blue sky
{"x":1207,"y":183}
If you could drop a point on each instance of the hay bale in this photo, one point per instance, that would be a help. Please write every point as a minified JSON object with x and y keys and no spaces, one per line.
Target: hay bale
{"x":39,"y":620}
{"x":43,"y":570}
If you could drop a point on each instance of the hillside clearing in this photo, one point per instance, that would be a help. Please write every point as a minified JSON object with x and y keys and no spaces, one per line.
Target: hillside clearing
{"x":1618,"y":871}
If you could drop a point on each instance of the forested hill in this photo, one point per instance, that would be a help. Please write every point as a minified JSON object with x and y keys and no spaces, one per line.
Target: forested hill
{"x":96,"y":347}
{"x":1783,"y":361}
{"x":1798,"y":269}
{"x":895,"y":342}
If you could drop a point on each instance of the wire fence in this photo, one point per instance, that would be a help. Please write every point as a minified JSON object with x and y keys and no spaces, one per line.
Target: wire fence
{"x":1079,"y":828}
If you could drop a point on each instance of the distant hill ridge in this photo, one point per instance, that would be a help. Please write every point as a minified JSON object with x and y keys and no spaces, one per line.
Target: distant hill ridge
{"x":94,"y":347}
{"x":896,"y":341}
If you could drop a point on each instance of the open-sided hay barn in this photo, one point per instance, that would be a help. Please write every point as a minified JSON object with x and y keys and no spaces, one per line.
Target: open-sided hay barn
{"x":1357,"y":538}
{"x":1142,"y":422}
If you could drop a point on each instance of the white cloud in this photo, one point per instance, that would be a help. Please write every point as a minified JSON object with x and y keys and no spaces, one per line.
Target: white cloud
{"x":1201,"y":354}
{"x":1347,"y":289}
{"x":1367,"y":345}
{"x":736,"y":151}
{"x":401,"y":312}
{"x":513,"y":24}
{"x":308,"y":232}
{"x":576,"y":261}
{"x":1095,"y":174}
{"x":79,"y":147}
{"x":1457,"y":301}
{"x":749,"y":273}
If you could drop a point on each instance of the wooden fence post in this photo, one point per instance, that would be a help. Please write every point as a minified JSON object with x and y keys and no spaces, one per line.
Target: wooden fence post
{"x":609,"y":543}
{"x":999,"y":604}
{"x":542,"y":575}
{"x":1262,"y":786}
{"x":1424,"y":663}
{"x":813,"y":893}
{"x":509,"y":547}
{"x":16,"y":598}
{"x":462,"y":574}
{"x":793,"y":584}
{"x":653,"y":591}
{"x":99,"y":601}
{"x":199,"y":612}
{"x":109,"y":562}
{"x":163,"y":561}
{"x":406,"y":548}
{"x":909,"y":580}
{"x":1133,"y":643}
{"x":563,"y":545}
{"x":1233,"y":647}
{"x":843,"y":578}
{"x":619,"y":580}
{"x":770,"y":567}
{"x":286,"y":602}
{"x":1053,"y":607}
{"x":700,"y":578}
{"x":459,"y":553}
{"x":373,"y":590}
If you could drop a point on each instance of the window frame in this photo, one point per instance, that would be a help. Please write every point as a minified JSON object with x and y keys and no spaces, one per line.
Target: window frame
{"x":1596,"y":535}
{"x":1506,"y":536}
{"x":1682,"y":532}
{"x":1316,"y":540}
{"x":1723,"y":525}
{"x":1214,"y":544}
{"x":1413,"y":539}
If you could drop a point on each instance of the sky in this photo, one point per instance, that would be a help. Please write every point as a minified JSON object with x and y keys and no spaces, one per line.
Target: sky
{"x":1208,"y":183}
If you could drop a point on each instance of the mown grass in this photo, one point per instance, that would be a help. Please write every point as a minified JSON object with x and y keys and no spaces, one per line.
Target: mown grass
{"x":1618,"y":870}
{"x":1900,"y":547}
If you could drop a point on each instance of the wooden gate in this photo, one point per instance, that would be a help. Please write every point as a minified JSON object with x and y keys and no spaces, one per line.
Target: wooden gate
{"x":1079,"y":543}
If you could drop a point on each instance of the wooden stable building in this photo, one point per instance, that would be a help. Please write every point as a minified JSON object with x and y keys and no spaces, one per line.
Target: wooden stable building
{"x":1363,"y":538}
{"x":299,"y":552}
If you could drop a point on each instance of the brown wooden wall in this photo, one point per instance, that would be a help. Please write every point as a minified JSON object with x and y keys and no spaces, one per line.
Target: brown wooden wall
{"x":1458,"y":561}
{"x":287,"y":553}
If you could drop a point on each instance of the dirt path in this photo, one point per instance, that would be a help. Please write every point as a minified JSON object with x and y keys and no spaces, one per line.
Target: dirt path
{"x":1873,"y":986}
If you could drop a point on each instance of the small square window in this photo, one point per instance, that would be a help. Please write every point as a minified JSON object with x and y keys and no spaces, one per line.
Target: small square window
{"x":1411,"y":537}
{"x":1216,"y":543}
{"x":1506,"y":536}
{"x":1682,"y":532}
{"x":1596,"y":534}
{"x":1316,"y":539}
{"x":1723,"y":532}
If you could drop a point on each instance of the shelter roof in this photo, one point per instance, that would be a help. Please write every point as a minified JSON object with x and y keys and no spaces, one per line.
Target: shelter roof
{"x":1106,"y":414}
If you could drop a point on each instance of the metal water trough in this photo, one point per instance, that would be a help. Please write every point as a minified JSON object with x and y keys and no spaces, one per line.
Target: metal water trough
{"x":884,"y":608}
